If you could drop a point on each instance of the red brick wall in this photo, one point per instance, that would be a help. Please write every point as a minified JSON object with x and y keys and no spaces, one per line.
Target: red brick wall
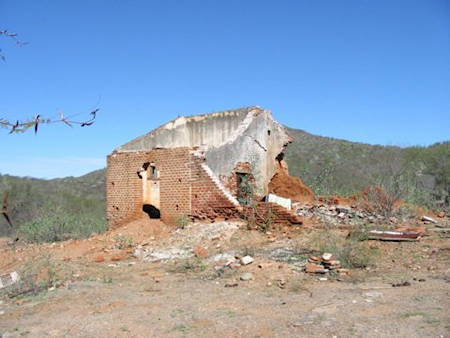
{"x":124,"y":187}
{"x":174,"y":183}
{"x":207,"y":199}
{"x":185,"y":187}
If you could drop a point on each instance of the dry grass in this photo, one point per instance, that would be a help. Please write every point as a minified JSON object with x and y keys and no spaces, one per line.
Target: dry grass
{"x":353,"y":251}
{"x":37,"y":276}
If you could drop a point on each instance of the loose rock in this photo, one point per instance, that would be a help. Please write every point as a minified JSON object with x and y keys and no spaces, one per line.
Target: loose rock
{"x":200,"y":252}
{"x":246,"y":276}
{"x":246,"y":260}
{"x":327,"y":256}
{"x":315,"y":268}
{"x":428,"y":219}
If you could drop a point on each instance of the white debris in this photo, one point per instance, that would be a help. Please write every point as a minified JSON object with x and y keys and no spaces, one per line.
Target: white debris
{"x":284,"y":202}
{"x":166,"y":255}
{"x":327,"y":256}
{"x":428,"y":219}
{"x":246,"y":260}
{"x":373,"y":294}
{"x":224,"y":257}
{"x":9,"y":279}
{"x":246,"y":276}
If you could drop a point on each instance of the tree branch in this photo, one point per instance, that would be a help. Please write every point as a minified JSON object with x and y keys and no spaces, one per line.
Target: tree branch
{"x":23,"y":126}
{"x":12,"y":36}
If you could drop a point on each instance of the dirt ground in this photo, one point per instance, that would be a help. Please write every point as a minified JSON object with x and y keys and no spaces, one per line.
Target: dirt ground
{"x":102,"y":290}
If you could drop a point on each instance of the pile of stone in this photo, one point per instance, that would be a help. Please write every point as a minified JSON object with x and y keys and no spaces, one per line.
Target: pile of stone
{"x":324,"y":264}
{"x":336,"y":214}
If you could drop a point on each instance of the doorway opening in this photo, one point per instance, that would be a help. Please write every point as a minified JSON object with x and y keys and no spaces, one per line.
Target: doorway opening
{"x":244,"y":188}
{"x":152,"y":211}
{"x":149,"y":174}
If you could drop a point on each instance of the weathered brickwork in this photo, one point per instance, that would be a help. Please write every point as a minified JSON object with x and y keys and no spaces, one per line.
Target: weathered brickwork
{"x":185,"y":187}
{"x":208,"y":201}
{"x":124,"y":186}
{"x":278,"y":215}
{"x":232,"y":181}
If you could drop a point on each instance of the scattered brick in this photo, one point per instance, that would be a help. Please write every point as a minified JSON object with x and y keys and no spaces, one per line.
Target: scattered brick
{"x":200,"y":252}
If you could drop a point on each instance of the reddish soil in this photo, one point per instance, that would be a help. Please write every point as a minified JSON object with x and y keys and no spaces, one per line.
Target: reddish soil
{"x":284,"y":185}
{"x":131,"y":298}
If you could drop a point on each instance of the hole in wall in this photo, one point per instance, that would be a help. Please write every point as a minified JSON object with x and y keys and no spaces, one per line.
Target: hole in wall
{"x":153,"y":172}
{"x":152,"y":211}
{"x":243,"y":188}
{"x":268,"y":132}
{"x":176,"y":206}
{"x":280,"y":157}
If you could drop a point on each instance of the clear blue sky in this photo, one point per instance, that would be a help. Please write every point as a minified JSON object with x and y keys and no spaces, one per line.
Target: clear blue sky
{"x":369,"y":71}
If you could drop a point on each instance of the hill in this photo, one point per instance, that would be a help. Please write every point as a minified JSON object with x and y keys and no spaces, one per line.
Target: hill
{"x":329,"y":166}
{"x":30,"y":198}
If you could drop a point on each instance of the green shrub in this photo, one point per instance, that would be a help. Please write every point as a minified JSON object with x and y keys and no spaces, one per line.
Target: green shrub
{"x":60,"y":227}
{"x":123,"y":242}
{"x":182,"y":221}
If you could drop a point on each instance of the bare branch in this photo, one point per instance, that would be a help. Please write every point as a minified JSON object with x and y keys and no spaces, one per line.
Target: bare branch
{"x":13,"y":36}
{"x":23,"y":126}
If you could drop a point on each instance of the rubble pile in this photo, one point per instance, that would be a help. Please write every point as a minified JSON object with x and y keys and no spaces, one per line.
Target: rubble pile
{"x":339,"y":214}
{"x":324,"y":264}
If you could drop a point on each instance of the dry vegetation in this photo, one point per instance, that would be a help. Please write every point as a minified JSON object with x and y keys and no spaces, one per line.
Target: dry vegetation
{"x":96,"y":288}
{"x":149,"y":279}
{"x":419,"y":175}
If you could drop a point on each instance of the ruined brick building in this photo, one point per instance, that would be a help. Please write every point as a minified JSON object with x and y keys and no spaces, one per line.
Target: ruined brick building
{"x":194,"y":165}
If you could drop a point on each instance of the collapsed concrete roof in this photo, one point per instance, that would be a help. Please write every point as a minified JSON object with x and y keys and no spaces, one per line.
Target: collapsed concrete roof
{"x":207,"y":130}
{"x":224,"y":138}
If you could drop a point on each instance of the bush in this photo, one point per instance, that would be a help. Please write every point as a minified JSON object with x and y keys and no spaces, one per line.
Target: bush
{"x":182,"y":221}
{"x":352,"y":252}
{"x":60,"y":227}
{"x":188,"y":265}
{"x":260,"y":220}
{"x":123,"y":242}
